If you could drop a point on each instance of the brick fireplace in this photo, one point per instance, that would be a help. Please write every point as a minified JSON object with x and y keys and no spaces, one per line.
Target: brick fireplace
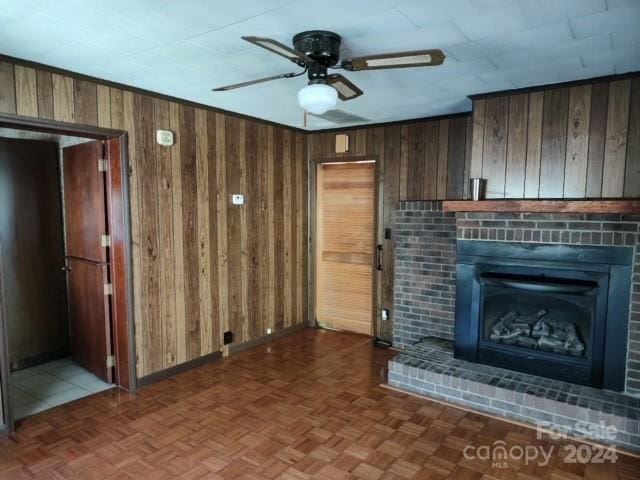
{"x":428,"y":241}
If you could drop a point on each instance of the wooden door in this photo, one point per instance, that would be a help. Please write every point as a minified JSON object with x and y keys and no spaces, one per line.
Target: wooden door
{"x":345,"y":219}
{"x":89,"y":320}
{"x":87,"y":257}
{"x":85,"y":201}
{"x":32,"y":243}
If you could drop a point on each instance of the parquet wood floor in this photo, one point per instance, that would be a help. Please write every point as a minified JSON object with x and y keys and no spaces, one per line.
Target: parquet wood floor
{"x":307,"y":406}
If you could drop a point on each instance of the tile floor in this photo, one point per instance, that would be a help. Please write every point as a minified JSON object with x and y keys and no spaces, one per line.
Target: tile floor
{"x":51,"y":384}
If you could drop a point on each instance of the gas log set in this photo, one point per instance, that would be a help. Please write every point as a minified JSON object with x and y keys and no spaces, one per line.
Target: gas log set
{"x":537,"y":331}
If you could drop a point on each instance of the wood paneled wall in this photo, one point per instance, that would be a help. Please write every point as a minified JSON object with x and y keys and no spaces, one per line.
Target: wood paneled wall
{"x":580,"y":141}
{"x":201,"y":265}
{"x":426,"y":160}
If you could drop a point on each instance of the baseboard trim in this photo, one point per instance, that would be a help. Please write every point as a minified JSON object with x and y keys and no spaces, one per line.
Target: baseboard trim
{"x":39,"y":359}
{"x":183,"y":367}
{"x":266,"y":338}
{"x":197,"y":362}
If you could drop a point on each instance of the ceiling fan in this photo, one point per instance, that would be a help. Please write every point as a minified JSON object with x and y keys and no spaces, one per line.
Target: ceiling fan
{"x":319,"y":50}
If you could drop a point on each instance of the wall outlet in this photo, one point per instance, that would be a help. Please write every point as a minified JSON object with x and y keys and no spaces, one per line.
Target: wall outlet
{"x":268,"y":331}
{"x":237,"y":199}
{"x":385,"y":314}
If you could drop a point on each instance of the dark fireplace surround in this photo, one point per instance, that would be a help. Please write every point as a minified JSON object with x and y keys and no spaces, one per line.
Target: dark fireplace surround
{"x":558,"y":311}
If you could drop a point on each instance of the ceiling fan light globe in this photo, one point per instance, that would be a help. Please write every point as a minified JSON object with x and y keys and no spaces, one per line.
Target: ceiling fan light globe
{"x":318,"y":98}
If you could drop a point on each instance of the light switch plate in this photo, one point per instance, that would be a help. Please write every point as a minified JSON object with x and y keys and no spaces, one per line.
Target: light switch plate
{"x":237,"y":199}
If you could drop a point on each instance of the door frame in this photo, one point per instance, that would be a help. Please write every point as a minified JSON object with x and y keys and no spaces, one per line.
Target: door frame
{"x":314,"y":164}
{"x":121,"y":264}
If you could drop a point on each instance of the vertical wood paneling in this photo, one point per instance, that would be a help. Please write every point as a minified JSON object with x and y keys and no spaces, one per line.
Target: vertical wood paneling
{"x":301,"y":215}
{"x":150,"y":251}
{"x":495,"y":145}
{"x":416,"y":141}
{"x":186,"y":272}
{"x":189,"y":174}
{"x":575,"y":173}
{"x":244,"y":260}
{"x":128,"y":113}
{"x":430,"y":162}
{"x":104,"y":106}
{"x":204,"y":248}
{"x":615,"y":149}
{"x":221,"y":205}
{"x":443,"y":156}
{"x":26,"y":91}
{"x":263,"y":230}
{"x":234,"y":279}
{"x":252,"y":212}
{"x":165,"y":237}
{"x":63,"y":98}
{"x":404,"y":160}
{"x":467,"y":156}
{"x":597,"y":136}
{"x":286,"y":219}
{"x":212,"y":144}
{"x":516,"y":146}
{"x":271,"y":245}
{"x":278,"y":225}
{"x":457,"y":167}
{"x":574,"y":141}
{"x":116,"y":108}
{"x":177,"y":238}
{"x":388,"y":146}
{"x":554,"y":142}
{"x":534,"y":145}
{"x":85,"y":102}
{"x":7,"y":88}
{"x":632,"y":173}
{"x":477,"y":142}
{"x":44,"y":82}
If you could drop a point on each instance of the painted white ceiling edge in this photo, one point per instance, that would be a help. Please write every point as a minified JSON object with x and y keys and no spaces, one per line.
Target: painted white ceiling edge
{"x":184,"y":48}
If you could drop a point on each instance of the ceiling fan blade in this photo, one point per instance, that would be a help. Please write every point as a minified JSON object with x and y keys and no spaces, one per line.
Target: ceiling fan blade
{"x":280,"y":49}
{"x":253,"y":82}
{"x":346,"y":89}
{"x":418,"y":58}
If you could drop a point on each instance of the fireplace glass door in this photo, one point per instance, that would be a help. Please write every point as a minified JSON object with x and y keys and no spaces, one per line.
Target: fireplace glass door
{"x":530,"y":318}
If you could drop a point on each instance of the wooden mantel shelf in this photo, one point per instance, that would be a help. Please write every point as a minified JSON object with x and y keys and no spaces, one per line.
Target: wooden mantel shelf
{"x":543,"y":206}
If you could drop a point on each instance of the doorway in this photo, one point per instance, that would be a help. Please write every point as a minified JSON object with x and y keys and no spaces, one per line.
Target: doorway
{"x":345,"y":245}
{"x":68,"y":201}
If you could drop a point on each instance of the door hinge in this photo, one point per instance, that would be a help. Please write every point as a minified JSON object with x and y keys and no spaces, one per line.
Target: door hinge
{"x":105,"y":240}
{"x":111,"y":361}
{"x":102,"y":165}
{"x":108,"y":289}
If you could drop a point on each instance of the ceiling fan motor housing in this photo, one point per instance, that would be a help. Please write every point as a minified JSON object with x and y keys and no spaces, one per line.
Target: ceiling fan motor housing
{"x":321,"y":46}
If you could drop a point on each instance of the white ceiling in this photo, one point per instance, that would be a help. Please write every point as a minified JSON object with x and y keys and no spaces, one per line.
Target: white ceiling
{"x":183,"y":48}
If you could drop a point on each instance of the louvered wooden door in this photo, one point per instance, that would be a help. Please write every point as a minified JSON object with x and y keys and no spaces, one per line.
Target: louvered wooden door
{"x":345,"y":216}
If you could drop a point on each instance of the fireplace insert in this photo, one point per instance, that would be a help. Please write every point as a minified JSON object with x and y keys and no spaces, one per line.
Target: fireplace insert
{"x":557,"y":311}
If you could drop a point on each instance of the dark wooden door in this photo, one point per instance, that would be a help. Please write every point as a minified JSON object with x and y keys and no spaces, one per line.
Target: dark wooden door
{"x":32,"y":244}
{"x":87,"y":257}
{"x":85,"y":201}
{"x":89,"y":320}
